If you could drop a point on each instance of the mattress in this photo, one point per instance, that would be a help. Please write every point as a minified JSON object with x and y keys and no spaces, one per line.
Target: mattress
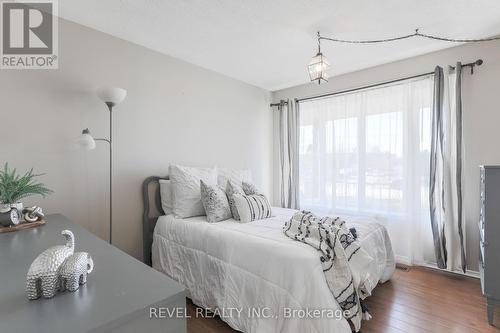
{"x":255,"y":277}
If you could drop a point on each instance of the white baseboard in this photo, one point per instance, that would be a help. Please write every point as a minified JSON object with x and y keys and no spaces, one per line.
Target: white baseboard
{"x":406,"y":261}
{"x":403,"y":260}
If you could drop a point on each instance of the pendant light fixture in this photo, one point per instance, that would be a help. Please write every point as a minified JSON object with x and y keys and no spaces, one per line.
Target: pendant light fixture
{"x":319,"y":65}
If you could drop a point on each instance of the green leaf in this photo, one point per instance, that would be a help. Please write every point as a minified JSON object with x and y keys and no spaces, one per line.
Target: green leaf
{"x":14,"y":187}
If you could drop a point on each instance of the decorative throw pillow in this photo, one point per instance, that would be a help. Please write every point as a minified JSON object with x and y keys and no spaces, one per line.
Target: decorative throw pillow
{"x":186,"y":189}
{"x":232,"y":189}
{"x":252,"y":207}
{"x":236,"y":176}
{"x":166,"y":196}
{"x":249,"y":188}
{"x":215,"y":202}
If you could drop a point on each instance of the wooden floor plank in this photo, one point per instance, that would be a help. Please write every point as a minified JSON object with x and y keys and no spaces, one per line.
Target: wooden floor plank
{"x":418,"y":301}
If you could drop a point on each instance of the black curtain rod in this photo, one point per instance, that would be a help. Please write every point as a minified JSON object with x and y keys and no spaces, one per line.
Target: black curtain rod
{"x":478,"y":62}
{"x":278,"y":104}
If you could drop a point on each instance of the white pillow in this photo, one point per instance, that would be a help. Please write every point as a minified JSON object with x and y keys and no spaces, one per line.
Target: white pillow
{"x":252,"y":207}
{"x":167,"y":203}
{"x":249,"y":188}
{"x":186,"y":189}
{"x":236,"y":176}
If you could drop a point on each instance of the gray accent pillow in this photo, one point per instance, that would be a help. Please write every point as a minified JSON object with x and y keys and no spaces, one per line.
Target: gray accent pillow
{"x":215,"y":202}
{"x":249,"y":189}
{"x":231,"y":189}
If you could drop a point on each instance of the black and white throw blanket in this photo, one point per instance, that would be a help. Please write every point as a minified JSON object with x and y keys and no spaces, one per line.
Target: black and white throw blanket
{"x":340,"y":255}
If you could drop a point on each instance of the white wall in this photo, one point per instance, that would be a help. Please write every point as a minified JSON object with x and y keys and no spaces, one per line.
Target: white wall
{"x":481,"y":94}
{"x":174,"y":112}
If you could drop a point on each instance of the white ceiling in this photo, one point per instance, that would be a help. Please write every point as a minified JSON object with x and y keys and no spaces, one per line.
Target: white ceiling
{"x":268,"y":43}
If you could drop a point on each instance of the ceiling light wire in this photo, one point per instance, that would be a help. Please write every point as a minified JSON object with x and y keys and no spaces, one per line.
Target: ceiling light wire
{"x":417,"y":33}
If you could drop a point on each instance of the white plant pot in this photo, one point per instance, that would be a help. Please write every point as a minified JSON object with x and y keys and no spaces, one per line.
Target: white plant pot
{"x":18,"y":206}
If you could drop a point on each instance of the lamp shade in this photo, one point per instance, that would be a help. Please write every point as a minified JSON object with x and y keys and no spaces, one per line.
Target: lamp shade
{"x":112,"y":95}
{"x":86,"y":141}
{"x":318,"y":68}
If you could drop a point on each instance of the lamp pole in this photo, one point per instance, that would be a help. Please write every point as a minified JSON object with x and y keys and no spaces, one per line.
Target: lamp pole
{"x":110,"y":142}
{"x":110,"y":107}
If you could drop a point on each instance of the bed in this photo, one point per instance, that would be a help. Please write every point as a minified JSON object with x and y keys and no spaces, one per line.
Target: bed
{"x":256,"y":278}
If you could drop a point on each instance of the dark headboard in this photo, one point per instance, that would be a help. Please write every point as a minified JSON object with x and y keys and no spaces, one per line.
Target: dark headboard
{"x":150,"y":187}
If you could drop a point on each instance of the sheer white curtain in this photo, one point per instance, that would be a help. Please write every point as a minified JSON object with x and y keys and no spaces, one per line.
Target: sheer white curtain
{"x":366,"y":153}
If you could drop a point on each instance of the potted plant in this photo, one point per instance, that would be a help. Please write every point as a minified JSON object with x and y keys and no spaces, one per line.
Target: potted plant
{"x":15,"y":187}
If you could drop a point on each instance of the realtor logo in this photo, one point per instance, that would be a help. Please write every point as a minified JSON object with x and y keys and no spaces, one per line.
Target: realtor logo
{"x":29,"y":35}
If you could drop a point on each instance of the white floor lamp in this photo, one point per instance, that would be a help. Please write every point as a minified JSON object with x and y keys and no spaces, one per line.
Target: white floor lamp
{"x":111,"y":96}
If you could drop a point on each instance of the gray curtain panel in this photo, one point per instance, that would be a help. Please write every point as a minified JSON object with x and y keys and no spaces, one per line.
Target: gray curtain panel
{"x":289,"y":153}
{"x":436,"y":185}
{"x":445,"y":187}
{"x":458,"y":110}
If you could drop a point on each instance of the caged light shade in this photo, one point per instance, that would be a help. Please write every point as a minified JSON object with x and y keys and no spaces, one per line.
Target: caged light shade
{"x":318,"y":68}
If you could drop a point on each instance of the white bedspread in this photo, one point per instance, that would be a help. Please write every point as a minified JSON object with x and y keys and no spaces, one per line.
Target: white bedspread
{"x":251,"y":271}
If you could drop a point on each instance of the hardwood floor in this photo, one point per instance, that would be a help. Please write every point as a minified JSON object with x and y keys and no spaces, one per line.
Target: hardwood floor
{"x":420,"y":300}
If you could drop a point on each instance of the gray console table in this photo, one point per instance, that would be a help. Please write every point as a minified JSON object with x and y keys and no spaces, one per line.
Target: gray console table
{"x":117,"y":297}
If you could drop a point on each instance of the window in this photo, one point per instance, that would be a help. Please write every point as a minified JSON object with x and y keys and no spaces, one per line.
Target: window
{"x":367,"y":152}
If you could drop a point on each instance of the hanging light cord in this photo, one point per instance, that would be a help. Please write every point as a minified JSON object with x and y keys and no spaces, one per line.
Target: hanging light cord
{"x":415,"y":34}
